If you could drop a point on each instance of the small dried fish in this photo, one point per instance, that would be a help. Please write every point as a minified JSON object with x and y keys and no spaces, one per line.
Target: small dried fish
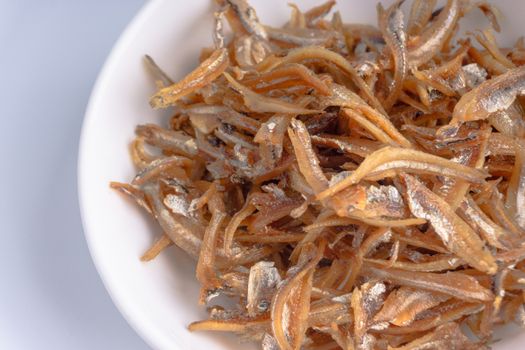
{"x":173,"y":141}
{"x":180,"y":230}
{"x":425,"y":46}
{"x":208,"y":71}
{"x":159,"y":167}
{"x":455,"y":233}
{"x":488,"y":41}
{"x":291,"y":302}
{"x":343,"y":97}
{"x":248,"y":18}
{"x":404,"y":304}
{"x":391,"y":22}
{"x":302,"y":36}
{"x":455,"y":284}
{"x":205,"y":270}
{"x":474,"y":75}
{"x":387,"y":160}
{"x":263,"y":104}
{"x":306,"y":158}
{"x":496,"y":94}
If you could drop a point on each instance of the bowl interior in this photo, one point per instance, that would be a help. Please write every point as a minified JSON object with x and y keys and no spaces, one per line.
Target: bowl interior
{"x":159,"y":298}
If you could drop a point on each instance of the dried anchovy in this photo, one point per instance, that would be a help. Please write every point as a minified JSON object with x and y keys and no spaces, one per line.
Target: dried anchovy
{"x":494,"y":95}
{"x":455,"y":233}
{"x":248,"y":18}
{"x":393,"y":28}
{"x":431,"y":40}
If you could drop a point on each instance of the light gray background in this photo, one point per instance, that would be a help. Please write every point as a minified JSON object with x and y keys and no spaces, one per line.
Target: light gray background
{"x":50,"y":294}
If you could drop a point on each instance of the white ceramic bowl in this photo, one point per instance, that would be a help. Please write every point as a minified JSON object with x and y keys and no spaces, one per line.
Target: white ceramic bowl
{"x":159,"y":299}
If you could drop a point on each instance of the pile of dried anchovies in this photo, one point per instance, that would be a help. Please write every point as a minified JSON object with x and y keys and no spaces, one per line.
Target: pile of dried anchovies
{"x":349,"y":186}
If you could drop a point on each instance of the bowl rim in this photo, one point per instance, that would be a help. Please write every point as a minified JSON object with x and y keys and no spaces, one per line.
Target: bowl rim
{"x":152,"y":338}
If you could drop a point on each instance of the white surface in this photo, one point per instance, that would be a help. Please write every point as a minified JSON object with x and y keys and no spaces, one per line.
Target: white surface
{"x":159,"y":298}
{"x":51,"y":296}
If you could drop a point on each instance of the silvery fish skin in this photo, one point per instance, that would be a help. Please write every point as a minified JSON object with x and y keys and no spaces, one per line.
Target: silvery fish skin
{"x":474,"y":75}
{"x":467,"y":78}
{"x":493,"y":95}
{"x":178,"y":204}
{"x":454,"y":232}
{"x":262,"y":282}
{"x":218,"y":32}
{"x":366,"y":67}
{"x":385,"y":201}
{"x":387,"y":161}
{"x":373,"y":297}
